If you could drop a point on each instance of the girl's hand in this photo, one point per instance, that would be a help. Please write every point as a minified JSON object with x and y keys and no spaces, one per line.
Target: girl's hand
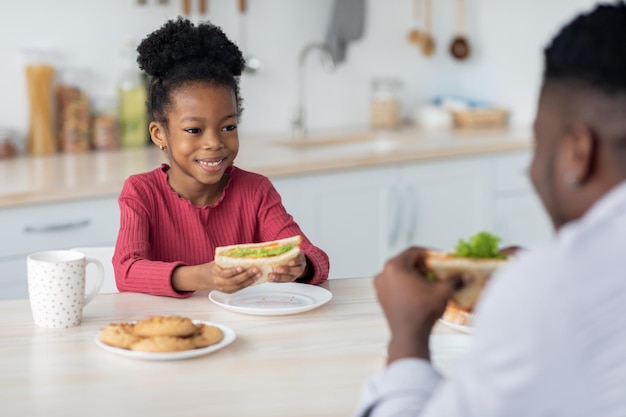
{"x":229,"y":280}
{"x":290,"y":272}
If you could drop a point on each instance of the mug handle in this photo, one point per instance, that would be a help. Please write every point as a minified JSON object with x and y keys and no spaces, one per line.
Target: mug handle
{"x":99,"y":279}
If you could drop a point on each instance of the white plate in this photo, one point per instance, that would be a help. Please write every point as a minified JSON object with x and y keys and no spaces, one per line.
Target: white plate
{"x":229,"y":337}
{"x":457,"y":327}
{"x":446,"y":350}
{"x":273,"y":299}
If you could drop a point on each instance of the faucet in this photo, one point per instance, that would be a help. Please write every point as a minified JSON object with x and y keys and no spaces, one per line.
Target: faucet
{"x":299,"y":120}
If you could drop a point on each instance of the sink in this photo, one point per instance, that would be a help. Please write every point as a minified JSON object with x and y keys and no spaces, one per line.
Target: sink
{"x":366,"y":142}
{"x":324,"y":141}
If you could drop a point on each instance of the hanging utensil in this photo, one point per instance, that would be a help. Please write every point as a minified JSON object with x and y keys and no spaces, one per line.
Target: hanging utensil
{"x":414,"y":35}
{"x":186,"y":4}
{"x":204,"y":6}
{"x":459,"y":47}
{"x":252,"y":63}
{"x":427,"y":40}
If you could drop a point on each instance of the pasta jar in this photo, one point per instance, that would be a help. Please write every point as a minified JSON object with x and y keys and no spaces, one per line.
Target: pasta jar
{"x":73,"y":111}
{"x":385,"y":109}
{"x":105,"y":124}
{"x":40,"y":73}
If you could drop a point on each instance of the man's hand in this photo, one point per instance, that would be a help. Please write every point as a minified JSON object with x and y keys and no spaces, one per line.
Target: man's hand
{"x":411,"y":303}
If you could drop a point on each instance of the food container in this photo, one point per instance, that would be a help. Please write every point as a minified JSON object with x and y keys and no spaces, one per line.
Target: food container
{"x":131,"y":92}
{"x":40,"y":78}
{"x":7,"y":144}
{"x":385,"y":108}
{"x":105,"y":124}
{"x":73,"y":110}
{"x":480,"y":117}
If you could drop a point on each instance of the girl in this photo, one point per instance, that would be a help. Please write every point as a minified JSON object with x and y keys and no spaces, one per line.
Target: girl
{"x":174,"y":217}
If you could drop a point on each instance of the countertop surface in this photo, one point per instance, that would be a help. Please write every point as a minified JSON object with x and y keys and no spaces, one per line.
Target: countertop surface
{"x":62,"y":177}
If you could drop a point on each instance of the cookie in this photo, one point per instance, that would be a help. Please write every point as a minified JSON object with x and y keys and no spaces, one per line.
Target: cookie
{"x":165,"y":326}
{"x":163,"y":344}
{"x":207,"y":336}
{"x":120,"y":335}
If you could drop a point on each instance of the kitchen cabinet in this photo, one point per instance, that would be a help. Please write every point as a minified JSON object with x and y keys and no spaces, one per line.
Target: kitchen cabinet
{"x":518,"y":214}
{"x":51,"y":226}
{"x":444,"y":200}
{"x":346,"y":214}
{"x":362,"y":217}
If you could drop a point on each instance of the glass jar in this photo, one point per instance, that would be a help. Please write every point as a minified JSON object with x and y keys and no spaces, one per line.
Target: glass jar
{"x":131,"y":92}
{"x":40,"y":74}
{"x":385,"y":108}
{"x":105,"y":124}
{"x":8,"y":148}
{"x":73,"y":110}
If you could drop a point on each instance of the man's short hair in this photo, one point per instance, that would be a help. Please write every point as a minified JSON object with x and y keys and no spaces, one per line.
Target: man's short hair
{"x":591,"y":49}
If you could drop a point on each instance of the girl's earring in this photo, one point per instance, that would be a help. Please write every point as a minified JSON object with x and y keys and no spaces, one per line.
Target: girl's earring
{"x":161,"y":147}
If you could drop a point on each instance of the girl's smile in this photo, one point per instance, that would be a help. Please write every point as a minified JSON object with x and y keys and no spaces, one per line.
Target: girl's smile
{"x":211,"y":165}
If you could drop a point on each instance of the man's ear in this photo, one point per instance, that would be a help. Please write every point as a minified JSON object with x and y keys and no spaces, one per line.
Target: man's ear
{"x":579,"y":148}
{"x":157,"y":134}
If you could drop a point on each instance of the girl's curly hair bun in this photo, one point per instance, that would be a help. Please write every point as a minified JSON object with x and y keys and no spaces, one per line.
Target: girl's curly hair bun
{"x":180,"y":43}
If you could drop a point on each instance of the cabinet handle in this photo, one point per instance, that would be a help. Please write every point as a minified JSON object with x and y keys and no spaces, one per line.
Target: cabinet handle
{"x":412,"y":210}
{"x":59,"y":227}
{"x":396,"y":215}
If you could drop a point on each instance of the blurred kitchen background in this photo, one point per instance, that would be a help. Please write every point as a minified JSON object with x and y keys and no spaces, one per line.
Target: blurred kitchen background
{"x":503,"y":68}
{"x":367,"y":181}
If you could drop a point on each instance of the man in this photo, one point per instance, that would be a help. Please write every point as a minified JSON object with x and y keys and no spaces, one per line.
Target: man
{"x":550,"y":330}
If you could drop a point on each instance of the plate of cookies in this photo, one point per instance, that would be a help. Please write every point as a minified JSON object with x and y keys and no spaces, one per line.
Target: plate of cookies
{"x":164,"y":338}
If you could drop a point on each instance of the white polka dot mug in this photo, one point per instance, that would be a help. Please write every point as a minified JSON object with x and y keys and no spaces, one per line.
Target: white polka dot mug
{"x":56,"y":287}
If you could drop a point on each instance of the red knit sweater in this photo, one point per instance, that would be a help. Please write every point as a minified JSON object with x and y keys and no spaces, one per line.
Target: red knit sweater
{"x":160,"y":231}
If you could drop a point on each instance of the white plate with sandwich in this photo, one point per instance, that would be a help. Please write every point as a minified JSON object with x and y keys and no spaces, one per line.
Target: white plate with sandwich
{"x":263,"y":297}
{"x":478,"y":258}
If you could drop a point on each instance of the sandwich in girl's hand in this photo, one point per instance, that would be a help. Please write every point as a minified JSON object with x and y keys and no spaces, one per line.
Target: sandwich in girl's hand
{"x":267,"y":256}
{"x":478,"y":258}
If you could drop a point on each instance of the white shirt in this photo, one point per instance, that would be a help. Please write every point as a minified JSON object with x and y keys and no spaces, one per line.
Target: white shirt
{"x":549,"y":336}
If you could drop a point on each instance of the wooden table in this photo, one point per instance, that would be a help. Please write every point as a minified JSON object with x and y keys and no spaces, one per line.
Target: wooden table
{"x":308,"y":364}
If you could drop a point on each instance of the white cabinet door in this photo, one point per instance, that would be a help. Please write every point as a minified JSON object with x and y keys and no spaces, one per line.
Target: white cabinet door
{"x":521,"y":220}
{"x":347,"y":214}
{"x":59,"y":226}
{"x":51,"y":226}
{"x":519,"y":217}
{"x":13,"y":282}
{"x":288,"y":190}
{"x":445,"y":201}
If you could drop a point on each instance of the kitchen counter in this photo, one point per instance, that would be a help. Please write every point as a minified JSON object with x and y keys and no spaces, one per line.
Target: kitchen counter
{"x":32,"y":180}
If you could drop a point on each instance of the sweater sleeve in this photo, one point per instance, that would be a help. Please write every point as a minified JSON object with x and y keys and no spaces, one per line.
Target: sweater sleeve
{"x":276,"y":223}
{"x":135,"y":271}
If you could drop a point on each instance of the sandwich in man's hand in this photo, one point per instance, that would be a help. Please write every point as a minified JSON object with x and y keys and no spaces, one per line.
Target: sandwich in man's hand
{"x":478,"y":257}
{"x":267,"y":256}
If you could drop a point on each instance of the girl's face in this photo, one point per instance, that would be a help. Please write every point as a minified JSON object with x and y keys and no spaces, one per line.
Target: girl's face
{"x":201,"y":140}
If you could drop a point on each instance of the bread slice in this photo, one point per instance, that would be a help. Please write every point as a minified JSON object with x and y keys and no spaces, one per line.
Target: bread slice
{"x":445,"y":266}
{"x":225,"y":258}
{"x":457,"y":315}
